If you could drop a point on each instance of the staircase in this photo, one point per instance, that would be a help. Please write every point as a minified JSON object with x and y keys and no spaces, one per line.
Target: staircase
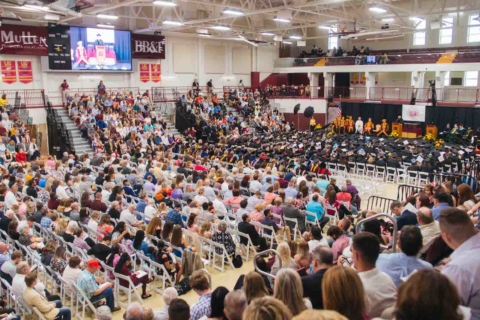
{"x":80,"y":145}
{"x":321,"y":62}
{"x":447,"y":58}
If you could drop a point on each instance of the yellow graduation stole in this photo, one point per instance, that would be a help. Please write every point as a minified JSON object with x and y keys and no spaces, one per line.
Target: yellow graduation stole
{"x":314,"y":168}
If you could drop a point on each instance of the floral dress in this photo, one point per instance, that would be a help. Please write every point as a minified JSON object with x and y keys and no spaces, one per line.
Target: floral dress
{"x":58,"y":265}
{"x":226,"y":239}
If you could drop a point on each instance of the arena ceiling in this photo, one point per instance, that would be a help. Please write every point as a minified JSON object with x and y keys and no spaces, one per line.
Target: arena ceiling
{"x":249,"y":18}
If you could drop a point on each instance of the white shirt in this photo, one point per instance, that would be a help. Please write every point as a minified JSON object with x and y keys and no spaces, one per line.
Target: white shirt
{"x":18,"y":285}
{"x":209,"y":193}
{"x":10,"y":200}
{"x":10,"y":268}
{"x":161,"y":314}
{"x":149,"y":212}
{"x":105,"y":195}
{"x":92,"y":224}
{"x":225,"y":186}
{"x":255,"y":185}
{"x":70,"y":275}
{"x":359,"y":125}
{"x":380,"y":291}
{"x":127,"y":217}
{"x":200,"y":199}
{"x":219,"y":207}
{"x":62,"y":193}
{"x":312,"y":244}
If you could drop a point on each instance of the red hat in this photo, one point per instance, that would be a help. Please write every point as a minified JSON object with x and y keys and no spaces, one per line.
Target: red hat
{"x":94,"y":264}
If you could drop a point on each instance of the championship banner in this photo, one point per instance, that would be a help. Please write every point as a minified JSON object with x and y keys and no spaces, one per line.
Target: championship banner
{"x":9,"y":72}
{"x":144,"y":72}
{"x":25,"y":74}
{"x":363,"y":79}
{"x":156,"y":72}
{"x":354,"y":78}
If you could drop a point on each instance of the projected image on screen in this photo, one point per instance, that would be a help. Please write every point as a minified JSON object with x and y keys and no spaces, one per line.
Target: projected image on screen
{"x":100,"y":49}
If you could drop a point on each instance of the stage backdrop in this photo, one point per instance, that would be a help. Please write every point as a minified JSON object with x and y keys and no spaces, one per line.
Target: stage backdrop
{"x":439,"y":116}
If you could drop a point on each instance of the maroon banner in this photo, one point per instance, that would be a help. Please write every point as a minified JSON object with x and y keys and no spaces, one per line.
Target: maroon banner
{"x":25,"y":73}
{"x":9,"y":72}
{"x":148,"y":46}
{"x":23,"y":40}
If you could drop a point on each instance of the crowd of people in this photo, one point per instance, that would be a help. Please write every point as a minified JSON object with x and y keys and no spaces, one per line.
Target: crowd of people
{"x":146,"y":196}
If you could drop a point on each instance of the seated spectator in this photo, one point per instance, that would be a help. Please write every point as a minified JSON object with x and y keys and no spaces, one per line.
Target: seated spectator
{"x":234,"y":305}
{"x":315,"y":207}
{"x":102,"y":249}
{"x":79,"y":241}
{"x":267,"y":308}
{"x":402,"y":264}
{"x":179,"y":310}
{"x":349,"y":303}
{"x":269,"y":221}
{"x":315,"y":239}
{"x":87,"y":282}
{"x":217,"y":303}
{"x":168,"y":296}
{"x":225,"y":238}
{"x":406,"y":218}
{"x":123,"y":268}
{"x":286,"y":259}
{"x":289,"y":290}
{"x":199,"y":283}
{"x":255,"y":286}
{"x":9,"y":268}
{"x":380,"y":291}
{"x":71,"y":272}
{"x":312,"y":284}
{"x":50,"y":310}
{"x":246,"y":227}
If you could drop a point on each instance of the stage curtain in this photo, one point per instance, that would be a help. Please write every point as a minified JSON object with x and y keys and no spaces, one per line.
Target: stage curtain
{"x":375,"y":111}
{"x":122,"y":47}
{"x":440,"y":116}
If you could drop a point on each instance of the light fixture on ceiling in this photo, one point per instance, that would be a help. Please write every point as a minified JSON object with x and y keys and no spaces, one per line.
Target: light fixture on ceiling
{"x":164,"y":3}
{"x":455,"y":13}
{"x":378,"y":9}
{"x":221,"y":27}
{"x":172,"y":23}
{"x":388,"y":20}
{"x":287,"y":42}
{"x":268,"y":33}
{"x":295,"y":37}
{"x":326,"y":27}
{"x":51,"y":17}
{"x":416,"y":19}
{"x":107,"y":16}
{"x":104,"y":25}
{"x":233,"y":12}
{"x":203,"y":35}
{"x":278,"y":19}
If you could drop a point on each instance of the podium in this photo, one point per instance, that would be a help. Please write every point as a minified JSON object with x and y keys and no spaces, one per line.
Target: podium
{"x":432,"y":129}
{"x":100,"y":55}
{"x":397,"y":127}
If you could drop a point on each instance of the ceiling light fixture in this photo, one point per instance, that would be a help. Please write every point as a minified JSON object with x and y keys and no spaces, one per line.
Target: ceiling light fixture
{"x":326,"y":27}
{"x":281,"y":20}
{"x":415,"y":19}
{"x":287,"y":42}
{"x":455,"y":13}
{"x":268,"y":33}
{"x":388,"y":20}
{"x":295,"y":37}
{"x":377,"y":9}
{"x":233,"y":12}
{"x":172,"y":23}
{"x":107,"y":16}
{"x":104,"y":25}
{"x":221,"y":28}
{"x":164,"y":3}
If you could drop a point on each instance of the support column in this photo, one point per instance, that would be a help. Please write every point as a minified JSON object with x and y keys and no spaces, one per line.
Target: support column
{"x":370,"y":84}
{"x":418,"y":78}
{"x":329,"y":84}
{"x":440,"y":84}
{"x":313,"y":84}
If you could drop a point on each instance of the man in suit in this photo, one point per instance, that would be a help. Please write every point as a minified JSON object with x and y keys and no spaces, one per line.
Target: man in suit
{"x":405,"y":217}
{"x":16,"y":137}
{"x":246,"y":227}
{"x":290,"y":211}
{"x":312,"y":284}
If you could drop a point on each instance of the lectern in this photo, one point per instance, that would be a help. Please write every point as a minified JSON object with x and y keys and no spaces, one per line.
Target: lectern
{"x":397,"y":127}
{"x":101,"y":55}
{"x":432,"y":129}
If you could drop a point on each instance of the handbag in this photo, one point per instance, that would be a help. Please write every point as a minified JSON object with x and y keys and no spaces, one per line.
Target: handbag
{"x":183,"y":286}
{"x":237,"y":261}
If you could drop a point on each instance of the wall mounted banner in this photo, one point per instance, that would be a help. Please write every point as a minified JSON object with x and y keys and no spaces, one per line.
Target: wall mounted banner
{"x":25,"y":74}
{"x":413,"y":113}
{"x":23,"y":40}
{"x":363,"y":79}
{"x":144,"y":72}
{"x":156,"y":72}
{"x":9,"y":72}
{"x":354,"y":78}
{"x":148,"y":46}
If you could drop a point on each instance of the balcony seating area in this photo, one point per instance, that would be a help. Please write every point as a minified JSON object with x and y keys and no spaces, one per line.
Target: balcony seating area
{"x":340,"y":61}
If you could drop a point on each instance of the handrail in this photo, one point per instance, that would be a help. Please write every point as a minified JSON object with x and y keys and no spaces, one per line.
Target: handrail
{"x":257,"y":269}
{"x":374,"y":217}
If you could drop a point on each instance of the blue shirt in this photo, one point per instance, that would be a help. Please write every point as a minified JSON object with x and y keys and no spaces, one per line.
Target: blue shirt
{"x":315,"y":207}
{"x":141,"y":206}
{"x":291,"y":193}
{"x":42,"y":182}
{"x":399,"y":265}
{"x":4,"y":258}
{"x":86,"y":281}
{"x":175,"y":217}
{"x":436,"y":210}
{"x":322,"y":184}
{"x":46,"y":222}
{"x":289,"y":176}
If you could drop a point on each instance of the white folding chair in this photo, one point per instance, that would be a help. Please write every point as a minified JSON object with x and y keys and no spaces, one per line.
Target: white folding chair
{"x":223,"y":257}
{"x":361,"y":169}
{"x":391,"y":174}
{"x":380,"y":173}
{"x":82,"y":302}
{"x":128,"y":291}
{"x":370,"y":170}
{"x":335,"y":217}
{"x":412,"y":177}
{"x":423,"y":178}
{"x":313,"y":221}
{"x":401,"y":176}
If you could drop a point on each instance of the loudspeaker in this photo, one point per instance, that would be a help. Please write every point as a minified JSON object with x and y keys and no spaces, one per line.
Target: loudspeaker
{"x":330,"y":98}
{"x":413,"y":100}
{"x":296,"y":109}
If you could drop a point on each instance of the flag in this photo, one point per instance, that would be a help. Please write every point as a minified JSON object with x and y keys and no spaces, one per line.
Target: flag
{"x":339,"y":109}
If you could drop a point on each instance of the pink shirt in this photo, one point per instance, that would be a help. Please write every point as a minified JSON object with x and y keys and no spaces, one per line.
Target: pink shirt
{"x":233,"y":200}
{"x":269,"y":196}
{"x":339,"y":245}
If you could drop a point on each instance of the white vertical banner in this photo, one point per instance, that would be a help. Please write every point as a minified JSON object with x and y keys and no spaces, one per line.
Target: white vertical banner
{"x":415,"y":113}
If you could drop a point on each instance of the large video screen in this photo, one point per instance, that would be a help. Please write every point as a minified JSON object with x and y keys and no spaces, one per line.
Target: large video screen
{"x":100,"y":49}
